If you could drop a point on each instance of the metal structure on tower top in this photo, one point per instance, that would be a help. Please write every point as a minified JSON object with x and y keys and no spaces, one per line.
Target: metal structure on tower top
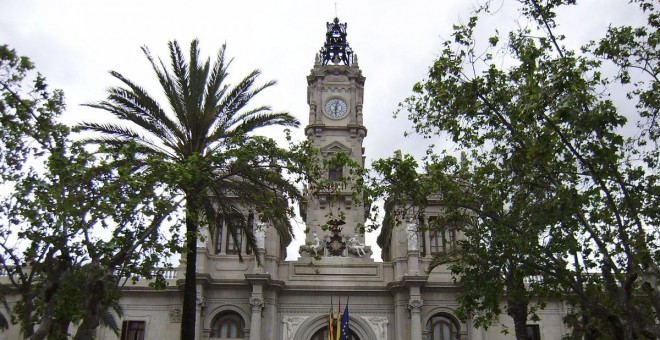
{"x":336,"y":49}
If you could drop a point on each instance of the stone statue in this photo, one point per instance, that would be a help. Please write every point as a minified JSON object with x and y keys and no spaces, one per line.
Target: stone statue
{"x":412,"y":237}
{"x":316,"y":245}
{"x":291,"y":325}
{"x":356,"y":246}
{"x":260,"y":234}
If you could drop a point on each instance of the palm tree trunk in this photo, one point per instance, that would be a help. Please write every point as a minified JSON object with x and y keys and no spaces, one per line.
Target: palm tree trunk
{"x":189,"y":312}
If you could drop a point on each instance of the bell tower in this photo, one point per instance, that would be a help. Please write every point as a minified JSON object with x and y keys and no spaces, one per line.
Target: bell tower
{"x":335,"y":91}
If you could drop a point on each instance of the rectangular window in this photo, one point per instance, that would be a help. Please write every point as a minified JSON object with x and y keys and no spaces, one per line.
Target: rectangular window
{"x":132,"y":330}
{"x":234,"y":243}
{"x":248,"y":249}
{"x":218,"y":234}
{"x":451,"y":239}
{"x":435,"y":236}
{"x":442,"y":239}
{"x":335,"y":174}
{"x":437,"y":241}
{"x":533,"y":332}
{"x":422,"y":243}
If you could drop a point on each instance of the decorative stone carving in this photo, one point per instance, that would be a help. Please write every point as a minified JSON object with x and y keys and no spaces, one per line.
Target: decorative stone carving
{"x":291,"y":325}
{"x":201,"y":302}
{"x":415,"y":304}
{"x":379,"y":325}
{"x":361,"y":134}
{"x":412,"y":237}
{"x":355,"y":246}
{"x":257,"y":302}
{"x":175,"y":314}
{"x":335,"y":244}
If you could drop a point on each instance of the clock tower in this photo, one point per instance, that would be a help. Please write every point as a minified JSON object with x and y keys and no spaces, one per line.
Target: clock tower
{"x":335,"y":91}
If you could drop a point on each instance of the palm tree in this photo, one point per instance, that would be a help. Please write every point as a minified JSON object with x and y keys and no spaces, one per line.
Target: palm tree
{"x":203,"y":145}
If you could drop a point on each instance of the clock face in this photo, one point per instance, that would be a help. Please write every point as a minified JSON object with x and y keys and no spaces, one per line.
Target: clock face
{"x":336,"y":108}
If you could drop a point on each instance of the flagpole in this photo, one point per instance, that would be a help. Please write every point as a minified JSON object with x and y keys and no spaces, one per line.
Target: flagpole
{"x":338,"y":330}
{"x":331,"y":316}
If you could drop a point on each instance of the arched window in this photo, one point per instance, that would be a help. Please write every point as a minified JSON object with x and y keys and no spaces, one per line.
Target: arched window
{"x":227,"y":325}
{"x":322,"y":334}
{"x":442,"y":327}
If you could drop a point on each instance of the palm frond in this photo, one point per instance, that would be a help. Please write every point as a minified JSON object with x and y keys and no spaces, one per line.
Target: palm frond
{"x":109,"y":320}
{"x":261,"y":188}
{"x":254,"y":122}
{"x":215,"y":89}
{"x":120,"y":135}
{"x":171,"y":91}
{"x":144,"y":104}
{"x":234,"y":100}
{"x":126,"y":111}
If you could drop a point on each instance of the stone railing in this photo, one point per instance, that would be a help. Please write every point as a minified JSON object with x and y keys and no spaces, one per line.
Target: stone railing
{"x":168,"y":273}
{"x":533,"y":279}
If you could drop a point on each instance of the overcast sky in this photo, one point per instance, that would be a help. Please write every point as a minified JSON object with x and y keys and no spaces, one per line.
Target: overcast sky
{"x":75,"y":43}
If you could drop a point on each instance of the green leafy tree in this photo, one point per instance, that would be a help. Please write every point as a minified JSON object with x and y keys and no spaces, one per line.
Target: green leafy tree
{"x":548,"y":186}
{"x":208,"y":149}
{"x":58,"y":200}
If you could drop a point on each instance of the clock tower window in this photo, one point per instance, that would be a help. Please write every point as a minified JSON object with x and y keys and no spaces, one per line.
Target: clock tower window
{"x":336,"y":173}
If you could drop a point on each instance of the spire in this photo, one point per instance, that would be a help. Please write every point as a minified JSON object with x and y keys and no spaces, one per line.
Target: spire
{"x":336,"y":49}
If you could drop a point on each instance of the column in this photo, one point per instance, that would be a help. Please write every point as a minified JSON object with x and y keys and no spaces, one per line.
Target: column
{"x":201,"y":305}
{"x":400,"y":315}
{"x":258,"y":303}
{"x":255,"y":320}
{"x":415,"y":304}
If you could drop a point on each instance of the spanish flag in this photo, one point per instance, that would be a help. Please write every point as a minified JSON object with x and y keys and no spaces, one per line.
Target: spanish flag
{"x":331,"y":316}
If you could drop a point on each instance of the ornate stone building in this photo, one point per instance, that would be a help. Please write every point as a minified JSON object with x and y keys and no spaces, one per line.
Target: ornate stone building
{"x":394,"y":299}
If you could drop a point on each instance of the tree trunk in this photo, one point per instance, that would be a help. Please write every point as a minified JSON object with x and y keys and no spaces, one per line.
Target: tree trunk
{"x":189,"y":311}
{"x":518,"y":311}
{"x":60,"y":329}
{"x":517,"y":305}
{"x":28,"y":307}
{"x":54,"y":274}
{"x":96,"y":290}
{"x":46,"y":323}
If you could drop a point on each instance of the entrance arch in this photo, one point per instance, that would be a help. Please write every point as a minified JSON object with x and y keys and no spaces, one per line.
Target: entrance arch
{"x":322,"y":334}
{"x":317,"y":323}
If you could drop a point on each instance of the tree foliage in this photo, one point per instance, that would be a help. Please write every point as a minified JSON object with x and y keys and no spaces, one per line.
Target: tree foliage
{"x":72,"y":223}
{"x":554,"y":199}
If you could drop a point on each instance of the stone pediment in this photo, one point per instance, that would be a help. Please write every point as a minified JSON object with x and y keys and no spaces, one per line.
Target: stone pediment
{"x":335,"y":147}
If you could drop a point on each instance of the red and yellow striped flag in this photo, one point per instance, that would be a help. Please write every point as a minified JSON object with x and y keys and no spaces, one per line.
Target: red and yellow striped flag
{"x":330,"y":319}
